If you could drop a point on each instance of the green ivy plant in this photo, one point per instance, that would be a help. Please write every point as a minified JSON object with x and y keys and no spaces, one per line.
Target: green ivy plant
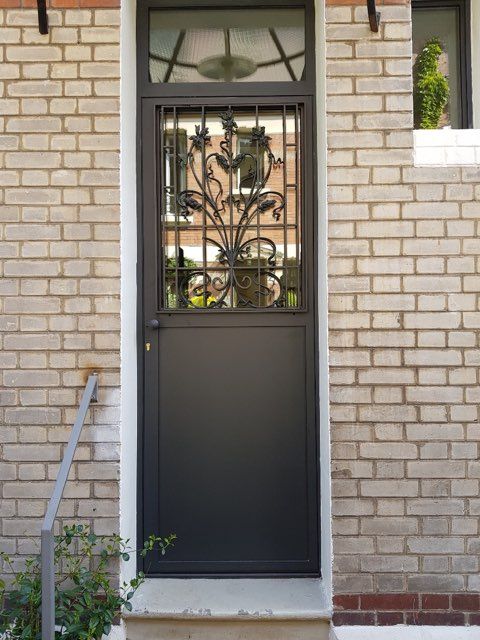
{"x":430,"y":91}
{"x":86,"y":599}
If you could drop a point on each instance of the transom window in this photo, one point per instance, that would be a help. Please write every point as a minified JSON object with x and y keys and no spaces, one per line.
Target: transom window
{"x":227,"y":45}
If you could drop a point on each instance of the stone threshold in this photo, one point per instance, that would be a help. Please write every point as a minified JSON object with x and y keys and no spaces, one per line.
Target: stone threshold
{"x":232,"y":599}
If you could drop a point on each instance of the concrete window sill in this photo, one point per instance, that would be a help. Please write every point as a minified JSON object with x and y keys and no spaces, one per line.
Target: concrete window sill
{"x":447,"y":147}
{"x":232,"y":599}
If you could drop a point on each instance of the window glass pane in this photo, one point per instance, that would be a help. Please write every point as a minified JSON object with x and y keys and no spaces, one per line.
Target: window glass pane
{"x":444,"y":25}
{"x":230,"y":208}
{"x":209,"y":45}
{"x":251,"y":170}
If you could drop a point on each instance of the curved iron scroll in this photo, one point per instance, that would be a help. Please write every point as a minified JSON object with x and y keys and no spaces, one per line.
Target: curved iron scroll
{"x":246,"y":273}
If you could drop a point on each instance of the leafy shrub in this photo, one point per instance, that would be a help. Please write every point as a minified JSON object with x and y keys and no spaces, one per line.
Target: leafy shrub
{"x":86,"y":600}
{"x":431,"y":91}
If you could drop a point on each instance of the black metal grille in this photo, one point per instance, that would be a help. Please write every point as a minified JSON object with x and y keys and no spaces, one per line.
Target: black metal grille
{"x":231,"y":207}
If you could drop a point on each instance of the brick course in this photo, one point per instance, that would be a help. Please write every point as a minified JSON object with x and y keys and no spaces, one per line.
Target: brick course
{"x":60,"y":4}
{"x":412,"y":608}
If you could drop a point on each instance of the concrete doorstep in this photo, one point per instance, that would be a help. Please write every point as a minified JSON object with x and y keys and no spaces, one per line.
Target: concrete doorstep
{"x":260,"y":609}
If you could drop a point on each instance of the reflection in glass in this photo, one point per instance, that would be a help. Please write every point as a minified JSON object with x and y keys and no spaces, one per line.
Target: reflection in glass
{"x":444,"y":25}
{"x":252,"y":168}
{"x":215,"y":45}
{"x":231,"y":211}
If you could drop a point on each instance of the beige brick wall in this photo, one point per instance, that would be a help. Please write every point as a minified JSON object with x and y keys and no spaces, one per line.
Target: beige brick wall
{"x":404,"y":308}
{"x":59,"y":265}
{"x":404,"y":318}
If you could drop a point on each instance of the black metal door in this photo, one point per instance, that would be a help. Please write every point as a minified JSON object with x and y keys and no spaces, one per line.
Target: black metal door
{"x":229,"y":449}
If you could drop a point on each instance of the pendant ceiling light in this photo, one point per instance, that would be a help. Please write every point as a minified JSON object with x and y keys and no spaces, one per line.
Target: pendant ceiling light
{"x":226,"y":67}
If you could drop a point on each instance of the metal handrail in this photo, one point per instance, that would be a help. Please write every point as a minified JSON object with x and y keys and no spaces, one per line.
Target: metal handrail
{"x":47,"y":538}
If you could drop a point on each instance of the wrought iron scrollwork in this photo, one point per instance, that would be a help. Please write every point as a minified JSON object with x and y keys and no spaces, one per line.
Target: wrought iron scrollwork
{"x":245,"y":273}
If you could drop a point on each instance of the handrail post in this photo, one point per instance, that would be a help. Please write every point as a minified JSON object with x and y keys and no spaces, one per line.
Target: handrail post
{"x":48,"y":585}
{"x":47,"y":539}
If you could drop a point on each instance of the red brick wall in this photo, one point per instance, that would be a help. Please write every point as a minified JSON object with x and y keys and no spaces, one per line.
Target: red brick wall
{"x":60,"y":4}
{"x":456,"y":609}
{"x":66,"y":4}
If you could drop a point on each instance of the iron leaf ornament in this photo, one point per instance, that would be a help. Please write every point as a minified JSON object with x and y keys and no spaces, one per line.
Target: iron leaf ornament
{"x":247,"y":257}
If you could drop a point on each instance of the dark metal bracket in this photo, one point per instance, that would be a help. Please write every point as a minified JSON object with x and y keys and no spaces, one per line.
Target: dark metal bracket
{"x":42,"y":16}
{"x":373,"y":15}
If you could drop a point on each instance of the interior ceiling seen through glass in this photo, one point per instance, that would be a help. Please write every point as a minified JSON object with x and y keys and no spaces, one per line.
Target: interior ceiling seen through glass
{"x":209,"y":45}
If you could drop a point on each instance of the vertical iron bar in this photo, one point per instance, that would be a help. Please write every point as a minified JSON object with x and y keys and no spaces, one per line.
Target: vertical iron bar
{"x":204,"y":215}
{"x":159,"y":259}
{"x":298,"y":201}
{"x":257,"y":180}
{"x":230,"y":191}
{"x":175,"y":213}
{"x":162,"y":199}
{"x":285,"y":209}
{"x":48,"y":584}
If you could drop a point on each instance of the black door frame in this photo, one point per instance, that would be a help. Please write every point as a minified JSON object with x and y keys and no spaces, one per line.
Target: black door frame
{"x":150,"y":95}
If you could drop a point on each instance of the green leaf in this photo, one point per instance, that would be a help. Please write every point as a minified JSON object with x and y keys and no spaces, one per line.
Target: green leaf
{"x":431,"y":90}
{"x":87,"y":603}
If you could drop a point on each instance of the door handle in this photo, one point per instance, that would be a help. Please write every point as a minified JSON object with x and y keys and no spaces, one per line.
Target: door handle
{"x":153,"y":324}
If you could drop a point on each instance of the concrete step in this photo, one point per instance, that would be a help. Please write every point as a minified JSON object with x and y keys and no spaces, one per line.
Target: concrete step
{"x":153,"y":629}
{"x":227,"y":609}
